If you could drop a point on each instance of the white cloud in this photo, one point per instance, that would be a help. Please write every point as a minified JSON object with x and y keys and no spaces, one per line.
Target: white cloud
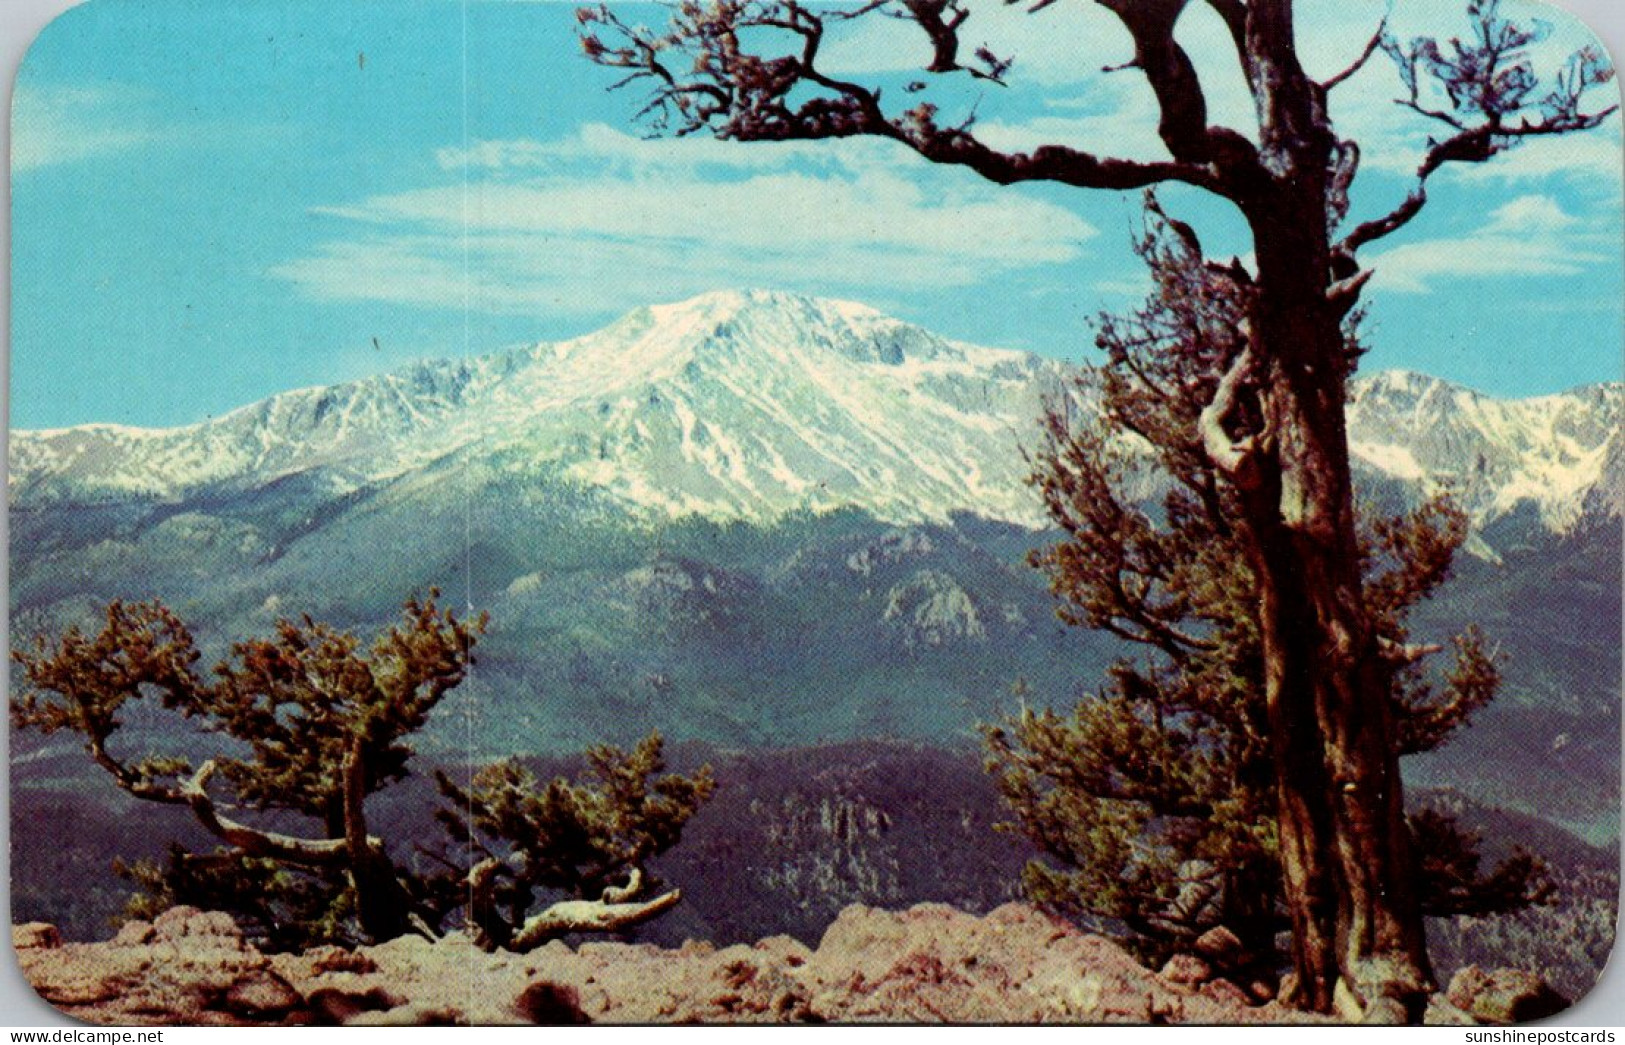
{"x":1533,"y":215}
{"x":1528,"y":236}
{"x":1593,"y":159}
{"x":595,"y":145}
{"x":602,"y":220}
{"x":53,"y":125}
{"x":1117,"y":116}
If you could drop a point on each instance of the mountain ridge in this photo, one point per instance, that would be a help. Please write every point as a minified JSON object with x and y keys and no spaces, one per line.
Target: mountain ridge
{"x":846,"y":616}
{"x":751,"y":405}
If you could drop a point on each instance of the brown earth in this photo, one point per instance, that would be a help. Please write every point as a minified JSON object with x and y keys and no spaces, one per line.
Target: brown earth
{"x":929,"y":964}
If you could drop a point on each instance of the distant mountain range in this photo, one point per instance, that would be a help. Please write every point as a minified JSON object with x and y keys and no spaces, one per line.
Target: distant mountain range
{"x":759,"y":519}
{"x":753,"y":405}
{"x":729,"y":406}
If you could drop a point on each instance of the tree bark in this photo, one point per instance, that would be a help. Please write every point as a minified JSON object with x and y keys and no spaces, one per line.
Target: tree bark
{"x":383,"y":910}
{"x":1357,"y":926}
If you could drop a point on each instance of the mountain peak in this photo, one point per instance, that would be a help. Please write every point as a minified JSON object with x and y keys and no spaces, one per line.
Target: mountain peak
{"x":730,"y":302}
{"x":787,"y":324}
{"x":1407,"y":386}
{"x":738,"y":404}
{"x":752,"y":404}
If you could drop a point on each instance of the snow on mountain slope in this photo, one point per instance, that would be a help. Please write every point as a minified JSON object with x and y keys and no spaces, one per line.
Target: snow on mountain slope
{"x":1495,"y":455}
{"x":734,"y":405}
{"x":752,"y":404}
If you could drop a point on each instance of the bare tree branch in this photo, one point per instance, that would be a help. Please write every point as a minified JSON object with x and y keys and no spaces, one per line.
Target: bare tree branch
{"x":1470,"y":145}
{"x":131,"y":781}
{"x":1404,"y":654}
{"x":1490,"y":84}
{"x":1359,"y":63}
{"x":614,"y":910}
{"x":744,"y":96}
{"x":256,"y":842}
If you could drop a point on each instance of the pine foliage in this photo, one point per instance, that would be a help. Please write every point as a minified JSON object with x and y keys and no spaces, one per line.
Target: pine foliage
{"x":1152,"y":801}
{"x":308,"y":723}
{"x":572,"y":839}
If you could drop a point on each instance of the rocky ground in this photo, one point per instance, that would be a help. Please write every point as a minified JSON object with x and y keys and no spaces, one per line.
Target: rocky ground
{"x":929,"y":964}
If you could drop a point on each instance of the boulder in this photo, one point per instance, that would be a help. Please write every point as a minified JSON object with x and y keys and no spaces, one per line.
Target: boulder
{"x":190,"y":924}
{"x":1504,"y":995}
{"x":1220,"y":947}
{"x":328,"y":958}
{"x":134,"y":934}
{"x":261,"y":995}
{"x":1187,"y":970}
{"x":1223,"y":990}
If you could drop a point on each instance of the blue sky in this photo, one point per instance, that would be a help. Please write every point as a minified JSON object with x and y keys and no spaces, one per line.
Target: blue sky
{"x":215,"y":202}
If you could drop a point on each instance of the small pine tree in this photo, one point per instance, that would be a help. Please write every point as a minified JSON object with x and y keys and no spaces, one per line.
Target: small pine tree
{"x":1153,"y":803}
{"x":316,"y":724}
{"x":585,"y":842}
{"x":322,"y":724}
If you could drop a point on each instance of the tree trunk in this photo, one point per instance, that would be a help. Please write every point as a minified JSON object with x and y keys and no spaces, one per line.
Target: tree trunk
{"x":1358,"y":943}
{"x":383,"y":909}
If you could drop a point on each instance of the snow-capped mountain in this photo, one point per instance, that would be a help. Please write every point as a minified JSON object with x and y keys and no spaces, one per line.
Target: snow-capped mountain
{"x":584,"y":494}
{"x":734,"y":405}
{"x":1499,"y":457}
{"x":751,"y":405}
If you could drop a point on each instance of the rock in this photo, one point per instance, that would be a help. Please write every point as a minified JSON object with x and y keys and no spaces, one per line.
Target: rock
{"x":1504,"y":995}
{"x":77,"y":982}
{"x":929,"y":964}
{"x":1166,"y":1008}
{"x":1440,"y":1013}
{"x":191,"y":925}
{"x":1465,"y":985}
{"x":1385,"y":1012}
{"x":412,"y":1015}
{"x":329,"y":958}
{"x":35,"y":934}
{"x":261,"y":995}
{"x":1221,"y":947}
{"x":134,"y":934}
{"x":1223,"y":990}
{"x":336,"y":1007}
{"x":785,"y":949}
{"x":1187,"y":970}
{"x":551,"y":1004}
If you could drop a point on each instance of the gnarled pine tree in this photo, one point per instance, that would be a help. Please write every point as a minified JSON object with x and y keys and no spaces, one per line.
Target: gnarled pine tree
{"x":589,"y":840}
{"x":1153,"y":801}
{"x":1273,"y":419}
{"x":322,"y":724}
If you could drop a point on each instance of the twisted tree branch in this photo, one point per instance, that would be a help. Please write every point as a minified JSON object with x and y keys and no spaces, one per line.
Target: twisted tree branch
{"x":1365,"y":55}
{"x":255,"y":842}
{"x":743,"y":96}
{"x":1236,"y":457}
